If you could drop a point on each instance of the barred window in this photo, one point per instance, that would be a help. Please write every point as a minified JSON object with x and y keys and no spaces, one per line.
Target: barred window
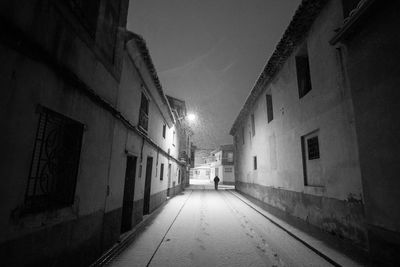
{"x":313,"y":148}
{"x":55,"y":161}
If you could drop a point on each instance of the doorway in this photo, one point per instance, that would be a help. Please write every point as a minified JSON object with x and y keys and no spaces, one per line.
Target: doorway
{"x":147,"y":186}
{"x":129,"y":193}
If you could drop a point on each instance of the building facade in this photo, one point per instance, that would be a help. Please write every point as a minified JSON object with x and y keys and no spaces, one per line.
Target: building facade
{"x":295,"y":137}
{"x":145,"y":167}
{"x":369,"y":41}
{"x":184,"y":133}
{"x":85,"y":153}
{"x":223,"y":165}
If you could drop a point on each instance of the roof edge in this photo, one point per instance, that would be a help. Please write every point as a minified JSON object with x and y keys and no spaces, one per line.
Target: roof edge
{"x":294,"y":34}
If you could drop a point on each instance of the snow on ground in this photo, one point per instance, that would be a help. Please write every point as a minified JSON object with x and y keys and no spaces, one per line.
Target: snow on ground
{"x":214,"y":228}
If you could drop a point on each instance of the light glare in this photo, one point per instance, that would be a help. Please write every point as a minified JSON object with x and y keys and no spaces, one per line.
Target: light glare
{"x":191,"y":117}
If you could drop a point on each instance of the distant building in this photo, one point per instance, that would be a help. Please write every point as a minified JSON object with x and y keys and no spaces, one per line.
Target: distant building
{"x":318,"y":135}
{"x":202,"y":156}
{"x":223,"y":165}
{"x":201,"y":172}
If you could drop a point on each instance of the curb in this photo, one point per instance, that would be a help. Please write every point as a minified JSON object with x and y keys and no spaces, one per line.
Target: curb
{"x":301,"y":240}
{"x":127,"y":239}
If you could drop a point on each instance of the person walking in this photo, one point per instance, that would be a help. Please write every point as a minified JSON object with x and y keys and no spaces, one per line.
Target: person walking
{"x":216,"y":181}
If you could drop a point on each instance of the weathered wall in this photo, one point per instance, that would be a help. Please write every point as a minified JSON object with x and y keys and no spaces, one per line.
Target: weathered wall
{"x":326,"y":108}
{"x":50,"y":60}
{"x":128,"y":141}
{"x":373,"y":70}
{"x":54,"y":61}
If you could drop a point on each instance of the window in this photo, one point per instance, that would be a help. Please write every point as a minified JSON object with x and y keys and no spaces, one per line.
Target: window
{"x":243,"y":135}
{"x":253,"y":126}
{"x":303,"y":73}
{"x":236,"y":141}
{"x":173,"y":138}
{"x":348,"y":6}
{"x":255,"y":162}
{"x":144,"y":113}
{"x":162,"y":171}
{"x":313,"y":148}
{"x":164,"y":129}
{"x":312,"y":167}
{"x":55,"y":161}
{"x":270,"y":113}
{"x":230,"y":156}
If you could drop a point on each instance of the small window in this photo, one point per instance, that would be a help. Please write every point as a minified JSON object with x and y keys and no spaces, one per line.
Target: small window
{"x":242,"y":135}
{"x":270,"y":113}
{"x":162,"y":171}
{"x":255,"y":162}
{"x":173,"y":138}
{"x":144,"y":113}
{"x":230,"y":156}
{"x":164,"y":129}
{"x":253,"y":125}
{"x":312,"y":168}
{"x":313,"y":148}
{"x":55,"y":162}
{"x":303,"y":73}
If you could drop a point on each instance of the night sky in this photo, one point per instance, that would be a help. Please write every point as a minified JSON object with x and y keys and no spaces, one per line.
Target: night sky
{"x":210,"y":53}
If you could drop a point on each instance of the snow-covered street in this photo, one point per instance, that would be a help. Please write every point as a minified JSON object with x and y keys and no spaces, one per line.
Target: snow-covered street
{"x":204,"y":227}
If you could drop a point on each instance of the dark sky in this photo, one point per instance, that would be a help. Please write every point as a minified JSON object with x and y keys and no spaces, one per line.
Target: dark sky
{"x":210,"y":53}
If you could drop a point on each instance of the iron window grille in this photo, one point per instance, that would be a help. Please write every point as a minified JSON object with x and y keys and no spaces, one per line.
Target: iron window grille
{"x":55,"y":161}
{"x":313,"y":148}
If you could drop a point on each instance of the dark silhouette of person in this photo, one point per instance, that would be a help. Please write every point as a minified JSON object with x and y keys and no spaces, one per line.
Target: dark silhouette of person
{"x":216,"y":181}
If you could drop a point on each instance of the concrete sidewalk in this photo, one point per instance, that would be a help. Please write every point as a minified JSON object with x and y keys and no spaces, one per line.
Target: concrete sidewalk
{"x":337,"y":252}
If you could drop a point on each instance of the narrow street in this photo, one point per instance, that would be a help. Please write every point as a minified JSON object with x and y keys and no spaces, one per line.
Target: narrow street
{"x":204,"y":227}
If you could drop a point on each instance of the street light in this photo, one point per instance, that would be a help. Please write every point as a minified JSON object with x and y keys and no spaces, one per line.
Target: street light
{"x":191,"y":117}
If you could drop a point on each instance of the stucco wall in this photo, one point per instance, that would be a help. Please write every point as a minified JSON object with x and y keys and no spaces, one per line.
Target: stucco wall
{"x":326,"y":108}
{"x":373,"y":70}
